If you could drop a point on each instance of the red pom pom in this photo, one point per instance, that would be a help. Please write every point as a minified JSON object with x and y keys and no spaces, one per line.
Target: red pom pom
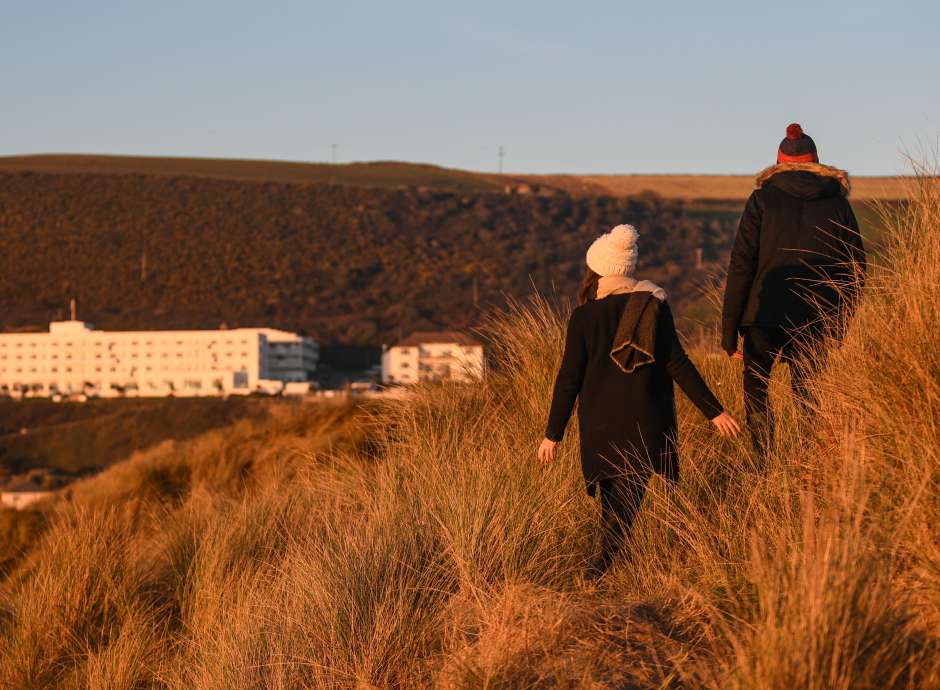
{"x":794,"y":131}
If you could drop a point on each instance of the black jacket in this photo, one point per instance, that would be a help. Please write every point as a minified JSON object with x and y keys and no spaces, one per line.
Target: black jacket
{"x":626,"y":420}
{"x":798,"y":239}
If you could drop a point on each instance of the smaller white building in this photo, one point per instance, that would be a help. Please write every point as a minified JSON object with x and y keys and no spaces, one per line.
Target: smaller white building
{"x":433,"y":356}
{"x":22,"y":495}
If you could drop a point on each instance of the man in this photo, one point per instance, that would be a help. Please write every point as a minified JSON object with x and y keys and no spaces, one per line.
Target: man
{"x":794,"y":273}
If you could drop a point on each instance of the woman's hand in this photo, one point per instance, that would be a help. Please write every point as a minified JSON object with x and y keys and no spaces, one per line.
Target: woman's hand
{"x":726,"y":425}
{"x":547,"y":451}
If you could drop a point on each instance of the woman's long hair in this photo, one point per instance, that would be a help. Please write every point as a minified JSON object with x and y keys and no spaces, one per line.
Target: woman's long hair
{"x":588,"y":289}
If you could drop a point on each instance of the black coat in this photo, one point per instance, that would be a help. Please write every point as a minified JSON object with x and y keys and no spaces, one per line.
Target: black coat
{"x":798,"y":237}
{"x":627,"y":421}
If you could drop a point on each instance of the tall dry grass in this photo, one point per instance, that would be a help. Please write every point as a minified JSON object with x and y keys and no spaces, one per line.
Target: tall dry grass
{"x":416,"y":543}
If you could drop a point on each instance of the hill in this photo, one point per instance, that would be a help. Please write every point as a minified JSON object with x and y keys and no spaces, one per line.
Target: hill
{"x":381,"y":174}
{"x":347,"y":264}
{"x":387,"y":174}
{"x":720,"y":187}
{"x":85,"y":437}
{"x":352,"y":254}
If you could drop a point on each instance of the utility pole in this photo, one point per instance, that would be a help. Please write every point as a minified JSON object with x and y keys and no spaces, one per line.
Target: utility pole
{"x":502,"y":152}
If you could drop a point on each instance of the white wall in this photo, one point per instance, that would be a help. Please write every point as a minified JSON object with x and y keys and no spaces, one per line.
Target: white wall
{"x":17,"y":500}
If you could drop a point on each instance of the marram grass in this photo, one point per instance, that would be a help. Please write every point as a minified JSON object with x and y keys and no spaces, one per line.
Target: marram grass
{"x":417,"y":543}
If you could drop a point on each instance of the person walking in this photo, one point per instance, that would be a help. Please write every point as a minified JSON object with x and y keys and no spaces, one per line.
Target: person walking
{"x":621,"y":357}
{"x":795,"y":269}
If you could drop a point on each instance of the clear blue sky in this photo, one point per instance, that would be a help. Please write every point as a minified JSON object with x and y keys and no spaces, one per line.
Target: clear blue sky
{"x":610,"y":86}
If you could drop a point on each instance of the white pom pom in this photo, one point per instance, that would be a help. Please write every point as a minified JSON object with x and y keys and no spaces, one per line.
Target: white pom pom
{"x":624,"y":237}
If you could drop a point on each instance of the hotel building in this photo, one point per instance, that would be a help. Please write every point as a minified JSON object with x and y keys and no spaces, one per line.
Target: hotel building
{"x":73,"y":358}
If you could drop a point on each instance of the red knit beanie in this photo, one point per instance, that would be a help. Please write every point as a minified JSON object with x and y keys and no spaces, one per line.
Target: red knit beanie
{"x":797,"y":147}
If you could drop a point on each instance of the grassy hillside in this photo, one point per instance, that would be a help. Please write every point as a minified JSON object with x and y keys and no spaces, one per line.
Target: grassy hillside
{"x":353,"y":254}
{"x":397,"y":174}
{"x":379,"y":174}
{"x":692,"y":187}
{"x":419,"y":544}
{"x":77,"y":437}
{"x":345,"y":264}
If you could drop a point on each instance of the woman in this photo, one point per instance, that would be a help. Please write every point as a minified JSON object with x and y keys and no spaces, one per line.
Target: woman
{"x":622,"y":355}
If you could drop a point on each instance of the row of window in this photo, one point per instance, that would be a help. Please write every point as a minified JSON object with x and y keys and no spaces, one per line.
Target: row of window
{"x":133,"y":343}
{"x":192,"y":384}
{"x":442,"y":353}
{"x":133,"y":355}
{"x":68,"y":369}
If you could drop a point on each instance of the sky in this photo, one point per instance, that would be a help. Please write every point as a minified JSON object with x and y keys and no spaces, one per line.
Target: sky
{"x":578,"y":87}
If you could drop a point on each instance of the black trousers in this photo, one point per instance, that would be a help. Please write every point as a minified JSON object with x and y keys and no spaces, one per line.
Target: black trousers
{"x":620,"y":499}
{"x":762,"y":348}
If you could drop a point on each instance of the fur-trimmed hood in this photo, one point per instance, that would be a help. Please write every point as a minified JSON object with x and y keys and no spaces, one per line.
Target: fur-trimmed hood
{"x":841,"y":176}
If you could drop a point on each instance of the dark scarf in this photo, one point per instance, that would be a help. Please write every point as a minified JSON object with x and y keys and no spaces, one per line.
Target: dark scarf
{"x":635,"y":340}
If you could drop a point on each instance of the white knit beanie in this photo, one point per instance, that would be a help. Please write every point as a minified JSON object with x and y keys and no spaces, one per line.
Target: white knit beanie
{"x":614,"y":253}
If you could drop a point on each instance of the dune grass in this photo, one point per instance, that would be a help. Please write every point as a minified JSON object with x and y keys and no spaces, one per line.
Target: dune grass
{"x":416,"y":543}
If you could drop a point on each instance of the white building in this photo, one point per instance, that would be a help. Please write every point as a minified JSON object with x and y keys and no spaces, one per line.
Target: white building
{"x":21,"y":496}
{"x":73,"y":358}
{"x":433,"y":356}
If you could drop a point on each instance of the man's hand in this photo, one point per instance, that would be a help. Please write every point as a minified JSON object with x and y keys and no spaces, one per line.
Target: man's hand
{"x":547,"y":451}
{"x":737,"y":355}
{"x":726,"y":425}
